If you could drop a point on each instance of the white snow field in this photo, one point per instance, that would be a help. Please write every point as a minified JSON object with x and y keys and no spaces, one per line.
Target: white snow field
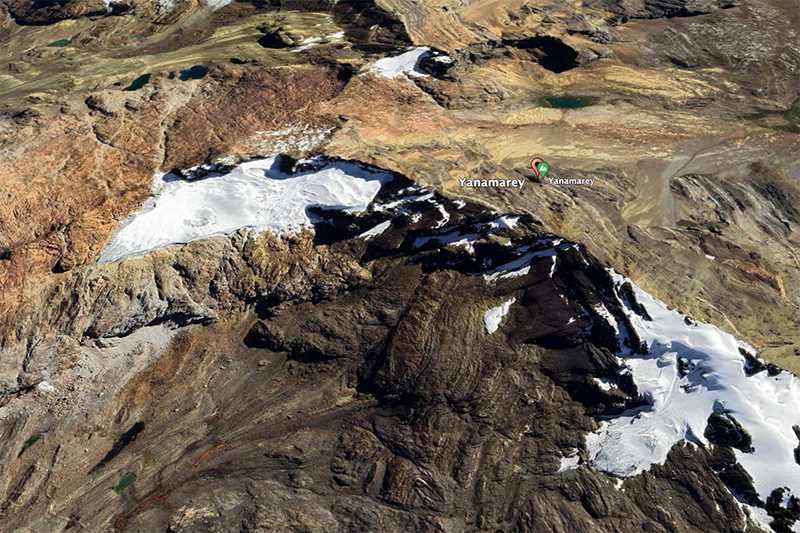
{"x":254,"y":195}
{"x":377,"y":230}
{"x":521,"y":265}
{"x":310,"y":42}
{"x":569,"y":462}
{"x":495,"y":315}
{"x":458,"y":238}
{"x":217,"y":4}
{"x":405,"y":63}
{"x":766,"y":406}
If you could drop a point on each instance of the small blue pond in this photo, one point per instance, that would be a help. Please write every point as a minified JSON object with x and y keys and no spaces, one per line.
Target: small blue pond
{"x":193,"y":73}
{"x":138,"y":83}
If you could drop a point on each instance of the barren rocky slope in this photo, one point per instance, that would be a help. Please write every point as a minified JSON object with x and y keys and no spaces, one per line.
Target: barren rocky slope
{"x":326,"y":382}
{"x":339,"y":384}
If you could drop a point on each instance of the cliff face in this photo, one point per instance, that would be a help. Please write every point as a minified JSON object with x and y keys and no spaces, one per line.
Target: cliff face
{"x":382,"y":372}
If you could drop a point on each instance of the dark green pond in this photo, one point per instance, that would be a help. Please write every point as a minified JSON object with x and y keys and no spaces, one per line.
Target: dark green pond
{"x":138,"y":83}
{"x":193,"y":73}
{"x":61,"y":42}
{"x":30,"y":442}
{"x":125,"y":481}
{"x":570,"y":102}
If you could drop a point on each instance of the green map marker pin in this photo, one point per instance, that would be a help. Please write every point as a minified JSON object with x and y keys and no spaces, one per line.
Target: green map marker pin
{"x":542,"y":168}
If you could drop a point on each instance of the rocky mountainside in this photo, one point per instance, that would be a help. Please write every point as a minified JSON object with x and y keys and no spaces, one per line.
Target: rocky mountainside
{"x":428,"y":357}
{"x":350,"y":379}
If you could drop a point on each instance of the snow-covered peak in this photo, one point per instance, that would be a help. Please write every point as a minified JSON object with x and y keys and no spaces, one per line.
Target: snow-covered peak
{"x":691,"y":371}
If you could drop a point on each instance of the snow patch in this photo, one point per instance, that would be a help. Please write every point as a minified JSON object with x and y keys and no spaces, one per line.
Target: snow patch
{"x":377,"y":230}
{"x":493,"y":317}
{"x":758,"y":515}
{"x":766,"y":406}
{"x":226,"y":160}
{"x":515,"y":273}
{"x":604,"y":383}
{"x":405,"y":63}
{"x":255,"y":195}
{"x":569,"y":463}
{"x":465,"y":240}
{"x":504,"y":222}
{"x":309,"y":42}
{"x":601,"y":310}
{"x":527,"y":254}
{"x":216,"y":4}
{"x":445,"y":216}
{"x":45,"y":386}
{"x":296,"y":137}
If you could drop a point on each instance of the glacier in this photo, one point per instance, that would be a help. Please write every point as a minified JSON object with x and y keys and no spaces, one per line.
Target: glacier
{"x":256,"y":194}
